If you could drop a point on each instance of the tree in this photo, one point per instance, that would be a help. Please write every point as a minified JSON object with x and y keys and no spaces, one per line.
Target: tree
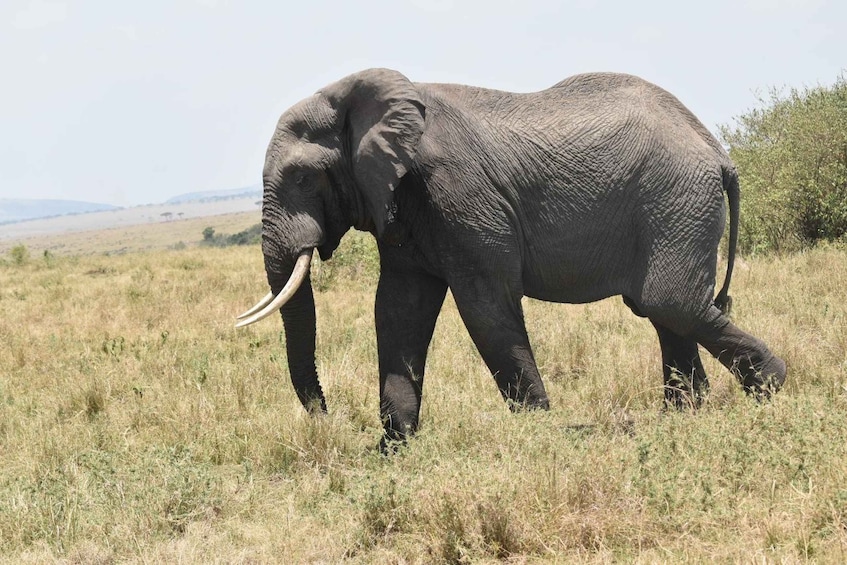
{"x":208,"y":233}
{"x":791,"y":155}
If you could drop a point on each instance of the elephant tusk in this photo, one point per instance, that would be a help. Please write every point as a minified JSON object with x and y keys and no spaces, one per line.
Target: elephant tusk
{"x":301,"y":269}
{"x":259,"y":305}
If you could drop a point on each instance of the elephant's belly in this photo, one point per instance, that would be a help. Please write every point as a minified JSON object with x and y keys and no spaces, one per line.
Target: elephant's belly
{"x":576,"y":279}
{"x":583,"y":254}
{"x":570,"y":293}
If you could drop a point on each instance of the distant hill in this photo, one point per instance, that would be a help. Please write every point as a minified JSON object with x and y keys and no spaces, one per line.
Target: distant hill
{"x":126,"y":217}
{"x":20,"y":209}
{"x":254,"y":191}
{"x":13,"y":210}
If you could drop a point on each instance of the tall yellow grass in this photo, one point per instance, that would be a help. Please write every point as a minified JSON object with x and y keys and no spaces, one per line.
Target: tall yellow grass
{"x":137,"y":425}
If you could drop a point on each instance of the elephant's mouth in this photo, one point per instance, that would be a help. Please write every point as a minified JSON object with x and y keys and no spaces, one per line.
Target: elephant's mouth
{"x":328,"y":246}
{"x":270,"y":303}
{"x":325,"y":251}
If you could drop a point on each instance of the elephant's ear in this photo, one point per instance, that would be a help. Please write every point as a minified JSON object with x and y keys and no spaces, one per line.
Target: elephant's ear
{"x":384,"y":119}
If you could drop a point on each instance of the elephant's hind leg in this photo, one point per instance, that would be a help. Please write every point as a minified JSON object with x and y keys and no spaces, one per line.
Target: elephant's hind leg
{"x":759,"y":371}
{"x":686,"y":383}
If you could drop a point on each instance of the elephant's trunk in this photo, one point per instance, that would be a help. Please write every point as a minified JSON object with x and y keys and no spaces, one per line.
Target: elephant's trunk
{"x":298,"y":317}
{"x":293,"y":296}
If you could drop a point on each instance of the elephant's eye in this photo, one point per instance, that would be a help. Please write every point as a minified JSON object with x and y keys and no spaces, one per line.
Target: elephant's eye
{"x":303,"y":179}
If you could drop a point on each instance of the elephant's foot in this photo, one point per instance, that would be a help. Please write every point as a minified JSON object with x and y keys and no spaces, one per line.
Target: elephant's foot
{"x":527,"y":401}
{"x":400,"y":406}
{"x":398,"y":426}
{"x":685,"y":390}
{"x":760,"y":378}
{"x":389,"y":446}
{"x":759,"y":371}
{"x":397,"y":431}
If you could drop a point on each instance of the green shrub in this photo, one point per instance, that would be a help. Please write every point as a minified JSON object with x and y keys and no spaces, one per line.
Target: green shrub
{"x":791,"y":155}
{"x":20,"y":254}
{"x":251,"y":235}
{"x":356,"y":259}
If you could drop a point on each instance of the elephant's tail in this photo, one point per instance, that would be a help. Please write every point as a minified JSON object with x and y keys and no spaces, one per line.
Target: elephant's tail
{"x":730,"y":184}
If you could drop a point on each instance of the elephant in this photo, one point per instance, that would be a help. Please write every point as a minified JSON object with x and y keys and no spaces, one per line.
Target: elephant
{"x":602,"y":185}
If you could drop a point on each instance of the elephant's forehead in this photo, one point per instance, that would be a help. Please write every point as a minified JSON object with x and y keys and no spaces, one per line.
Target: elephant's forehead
{"x":284,"y":147}
{"x":308,"y":118}
{"x":283,"y":152}
{"x":306,"y":134}
{"x":286,"y":151}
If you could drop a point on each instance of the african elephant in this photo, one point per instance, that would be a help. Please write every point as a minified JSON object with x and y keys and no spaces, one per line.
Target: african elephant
{"x":602,"y":185}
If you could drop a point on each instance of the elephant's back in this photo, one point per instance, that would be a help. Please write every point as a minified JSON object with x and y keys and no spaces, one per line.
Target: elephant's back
{"x":655,"y":105}
{"x":607,"y":88}
{"x":592,"y":84}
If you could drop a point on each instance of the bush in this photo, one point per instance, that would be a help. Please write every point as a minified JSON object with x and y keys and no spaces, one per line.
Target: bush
{"x":251,"y":235}
{"x":20,"y":254}
{"x":356,"y":259}
{"x":791,"y":155}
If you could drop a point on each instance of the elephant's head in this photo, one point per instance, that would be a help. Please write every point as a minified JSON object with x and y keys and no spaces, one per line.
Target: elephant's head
{"x":333,"y":163}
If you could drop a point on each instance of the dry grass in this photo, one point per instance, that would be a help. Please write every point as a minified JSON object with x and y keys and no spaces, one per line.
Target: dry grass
{"x":137,"y":425}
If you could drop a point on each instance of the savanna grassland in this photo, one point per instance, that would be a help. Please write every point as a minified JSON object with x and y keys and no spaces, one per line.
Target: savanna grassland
{"x":175,"y":234}
{"x":136,"y":424}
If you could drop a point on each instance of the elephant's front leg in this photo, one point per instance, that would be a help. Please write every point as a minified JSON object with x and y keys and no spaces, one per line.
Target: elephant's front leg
{"x":493,"y":315}
{"x":407,"y":306}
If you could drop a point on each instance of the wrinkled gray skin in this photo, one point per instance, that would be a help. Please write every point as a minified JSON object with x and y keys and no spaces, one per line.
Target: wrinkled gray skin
{"x":601,"y":185}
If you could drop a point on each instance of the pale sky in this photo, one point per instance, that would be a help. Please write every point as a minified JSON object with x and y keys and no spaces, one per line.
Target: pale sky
{"x":131,"y":103}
